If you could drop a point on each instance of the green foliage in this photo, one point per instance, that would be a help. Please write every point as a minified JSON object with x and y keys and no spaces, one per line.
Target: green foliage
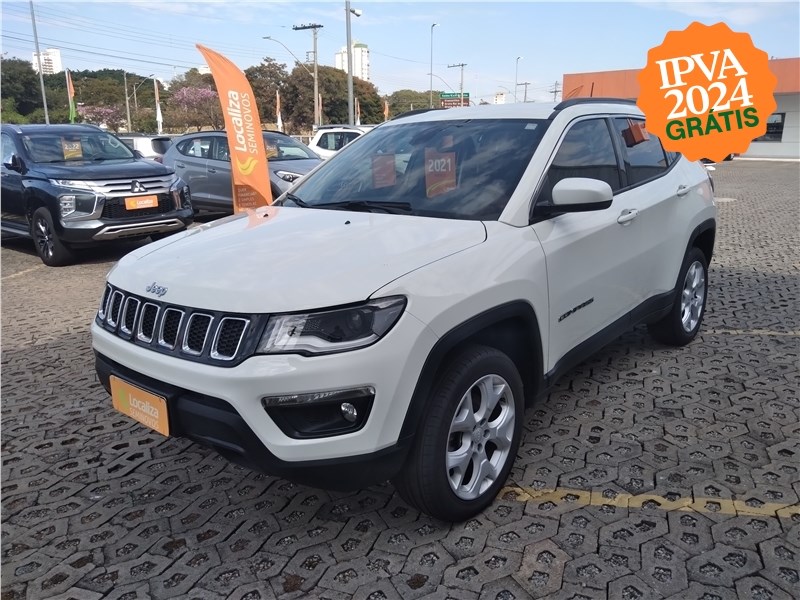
{"x":21,"y":83}
{"x":265,"y":79}
{"x":9,"y":113}
{"x":404,"y":100}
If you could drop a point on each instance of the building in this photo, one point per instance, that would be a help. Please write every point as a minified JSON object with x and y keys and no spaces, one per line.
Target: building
{"x":360,"y":60}
{"x":782,"y":139}
{"x":51,"y":61}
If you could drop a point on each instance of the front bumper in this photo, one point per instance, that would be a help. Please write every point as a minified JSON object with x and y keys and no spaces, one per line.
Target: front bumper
{"x":97,"y":230}
{"x":391,"y":366}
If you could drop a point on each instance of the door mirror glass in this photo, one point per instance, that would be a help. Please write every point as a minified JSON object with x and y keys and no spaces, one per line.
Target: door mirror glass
{"x":13,"y":163}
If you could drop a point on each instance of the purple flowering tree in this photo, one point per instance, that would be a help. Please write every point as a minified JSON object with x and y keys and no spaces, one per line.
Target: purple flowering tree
{"x":112,"y":117}
{"x":194,"y":107}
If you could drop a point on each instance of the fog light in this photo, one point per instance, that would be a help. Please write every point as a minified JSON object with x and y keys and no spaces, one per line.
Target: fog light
{"x":349,"y":412}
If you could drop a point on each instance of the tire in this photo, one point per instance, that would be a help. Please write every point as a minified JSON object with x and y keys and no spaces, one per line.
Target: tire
{"x":683,"y":322}
{"x":488,"y":452}
{"x":49,"y":247}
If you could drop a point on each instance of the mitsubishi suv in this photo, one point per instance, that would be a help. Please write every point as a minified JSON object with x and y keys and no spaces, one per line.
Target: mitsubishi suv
{"x":394,"y":313}
{"x":71,"y":186}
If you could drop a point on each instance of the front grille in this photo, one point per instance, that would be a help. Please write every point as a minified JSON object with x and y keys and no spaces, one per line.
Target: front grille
{"x":114,"y":208}
{"x":189,"y":333}
{"x":122,"y":187}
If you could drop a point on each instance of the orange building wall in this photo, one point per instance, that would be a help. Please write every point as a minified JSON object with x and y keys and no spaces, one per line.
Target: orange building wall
{"x":623,"y":84}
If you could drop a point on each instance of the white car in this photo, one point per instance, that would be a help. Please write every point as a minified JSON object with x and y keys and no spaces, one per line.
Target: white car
{"x":329,"y":139}
{"x":392,"y":319}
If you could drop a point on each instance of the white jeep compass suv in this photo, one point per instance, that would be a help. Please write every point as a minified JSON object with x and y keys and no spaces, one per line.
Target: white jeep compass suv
{"x":392,"y":316}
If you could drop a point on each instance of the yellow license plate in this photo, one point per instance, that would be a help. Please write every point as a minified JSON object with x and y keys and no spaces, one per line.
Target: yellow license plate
{"x":147,"y":408}
{"x":137,"y":202}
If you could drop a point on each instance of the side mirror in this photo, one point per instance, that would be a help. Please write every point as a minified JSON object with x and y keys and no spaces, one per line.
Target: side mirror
{"x":138,"y":154}
{"x":14,"y":163}
{"x":710,"y":168}
{"x":578,"y":194}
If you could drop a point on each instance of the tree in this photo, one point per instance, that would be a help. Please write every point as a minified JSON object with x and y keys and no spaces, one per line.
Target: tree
{"x":110,"y":116}
{"x":265,"y":79}
{"x":20,"y":83}
{"x":194,"y":107}
{"x":404,"y":100}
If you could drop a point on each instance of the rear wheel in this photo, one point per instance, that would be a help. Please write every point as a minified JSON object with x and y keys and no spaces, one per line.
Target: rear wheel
{"x":682,"y":323}
{"x":49,"y":247}
{"x":469,"y":437}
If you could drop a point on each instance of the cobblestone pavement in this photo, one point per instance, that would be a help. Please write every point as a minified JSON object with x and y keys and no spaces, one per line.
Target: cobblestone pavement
{"x":650,"y":472}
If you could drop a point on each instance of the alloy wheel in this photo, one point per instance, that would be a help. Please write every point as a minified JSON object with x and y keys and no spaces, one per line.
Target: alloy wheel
{"x":693,"y":296}
{"x":479,"y":441}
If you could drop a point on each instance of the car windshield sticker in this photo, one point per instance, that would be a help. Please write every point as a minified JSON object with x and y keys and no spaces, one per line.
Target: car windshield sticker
{"x":440,"y":172}
{"x":272,"y":149}
{"x":635,"y":133}
{"x":383,"y":171}
{"x":71,"y":149}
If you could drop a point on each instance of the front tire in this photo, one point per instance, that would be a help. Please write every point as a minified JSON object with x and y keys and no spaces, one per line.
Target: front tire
{"x":468,"y":439}
{"x":49,"y":247}
{"x":682,"y":323}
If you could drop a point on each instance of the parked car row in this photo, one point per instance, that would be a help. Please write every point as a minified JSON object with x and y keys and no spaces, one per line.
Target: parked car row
{"x":73,"y":186}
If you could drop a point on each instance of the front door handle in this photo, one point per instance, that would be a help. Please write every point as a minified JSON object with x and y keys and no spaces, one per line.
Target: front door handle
{"x":627,"y":215}
{"x":210,"y":170}
{"x":180,"y":165}
{"x":682,"y":190}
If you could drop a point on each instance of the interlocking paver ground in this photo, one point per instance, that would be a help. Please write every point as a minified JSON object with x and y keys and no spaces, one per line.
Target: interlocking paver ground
{"x":649,"y":471}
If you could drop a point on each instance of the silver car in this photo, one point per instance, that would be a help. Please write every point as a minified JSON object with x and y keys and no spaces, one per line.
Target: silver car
{"x":203,"y":161}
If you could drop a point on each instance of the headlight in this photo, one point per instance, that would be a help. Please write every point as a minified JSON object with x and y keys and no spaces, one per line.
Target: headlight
{"x":331,"y":331}
{"x":73,"y":184}
{"x":288,"y":175}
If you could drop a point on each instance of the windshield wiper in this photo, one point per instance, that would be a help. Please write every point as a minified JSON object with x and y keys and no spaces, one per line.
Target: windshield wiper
{"x":289,"y":196}
{"x":396,"y":208}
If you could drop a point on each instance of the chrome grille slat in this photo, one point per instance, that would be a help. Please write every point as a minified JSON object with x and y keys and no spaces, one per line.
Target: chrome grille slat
{"x":218,"y":336}
{"x":122,"y":187}
{"x":194,"y":327}
{"x":147,"y":309}
{"x":130,"y":303}
{"x":104,"y":302}
{"x":167,"y":321}
{"x":114,"y":308}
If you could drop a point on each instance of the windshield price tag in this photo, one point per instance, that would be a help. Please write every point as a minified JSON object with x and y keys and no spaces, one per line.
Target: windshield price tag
{"x":71,"y":149}
{"x":383,"y":171}
{"x":440,"y":172}
{"x":706,"y":91}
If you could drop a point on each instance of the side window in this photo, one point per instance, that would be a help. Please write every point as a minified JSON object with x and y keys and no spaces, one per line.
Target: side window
{"x":9,"y":148}
{"x":220,"y":149}
{"x":349,"y":137}
{"x":197,"y":147}
{"x":644,"y":156}
{"x":586,"y":151}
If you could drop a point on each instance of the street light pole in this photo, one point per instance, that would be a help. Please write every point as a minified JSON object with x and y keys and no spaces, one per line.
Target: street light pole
{"x":516,"y":78}
{"x":39,"y":62}
{"x":430,"y":99}
{"x":350,"y":96}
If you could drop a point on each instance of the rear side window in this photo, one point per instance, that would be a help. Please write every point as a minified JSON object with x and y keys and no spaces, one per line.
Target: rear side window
{"x":643,"y":154}
{"x":586,"y":151}
{"x":160,"y":145}
{"x":197,"y":147}
{"x":336,"y":140}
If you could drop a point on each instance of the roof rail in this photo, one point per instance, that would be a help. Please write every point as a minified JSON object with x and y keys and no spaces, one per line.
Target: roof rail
{"x":575,"y":101}
{"x":335,"y":126}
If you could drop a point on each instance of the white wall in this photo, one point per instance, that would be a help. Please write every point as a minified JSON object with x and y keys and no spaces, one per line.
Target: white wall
{"x":789,"y":146}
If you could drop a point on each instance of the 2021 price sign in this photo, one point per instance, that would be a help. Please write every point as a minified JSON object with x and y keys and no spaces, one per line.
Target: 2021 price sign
{"x":707,"y":91}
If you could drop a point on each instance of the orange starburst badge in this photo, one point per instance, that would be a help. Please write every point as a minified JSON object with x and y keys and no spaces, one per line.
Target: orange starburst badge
{"x":707,"y":91}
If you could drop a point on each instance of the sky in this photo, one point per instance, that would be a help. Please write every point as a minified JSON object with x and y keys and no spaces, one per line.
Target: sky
{"x":552,"y":38}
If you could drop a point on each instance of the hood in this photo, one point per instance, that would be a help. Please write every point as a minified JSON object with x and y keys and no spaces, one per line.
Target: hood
{"x":107,"y":169}
{"x":282,"y":259}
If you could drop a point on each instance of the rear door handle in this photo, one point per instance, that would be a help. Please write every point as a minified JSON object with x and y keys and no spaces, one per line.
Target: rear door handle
{"x":210,"y":170}
{"x":682,"y":190}
{"x":627,"y":215}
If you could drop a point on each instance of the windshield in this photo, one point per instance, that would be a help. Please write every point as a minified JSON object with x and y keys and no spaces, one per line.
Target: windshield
{"x":49,"y":147}
{"x":283,"y":147}
{"x":464,"y":169}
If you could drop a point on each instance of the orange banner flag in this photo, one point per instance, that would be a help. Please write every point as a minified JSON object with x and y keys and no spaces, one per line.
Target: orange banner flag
{"x":250,"y":175}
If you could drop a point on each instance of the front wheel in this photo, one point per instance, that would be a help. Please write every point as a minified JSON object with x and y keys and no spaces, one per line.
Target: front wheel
{"x":49,"y":247}
{"x":469,"y":437}
{"x":682,"y":323}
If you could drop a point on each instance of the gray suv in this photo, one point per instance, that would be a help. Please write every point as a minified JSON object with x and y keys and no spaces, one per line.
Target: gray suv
{"x":203,"y":161}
